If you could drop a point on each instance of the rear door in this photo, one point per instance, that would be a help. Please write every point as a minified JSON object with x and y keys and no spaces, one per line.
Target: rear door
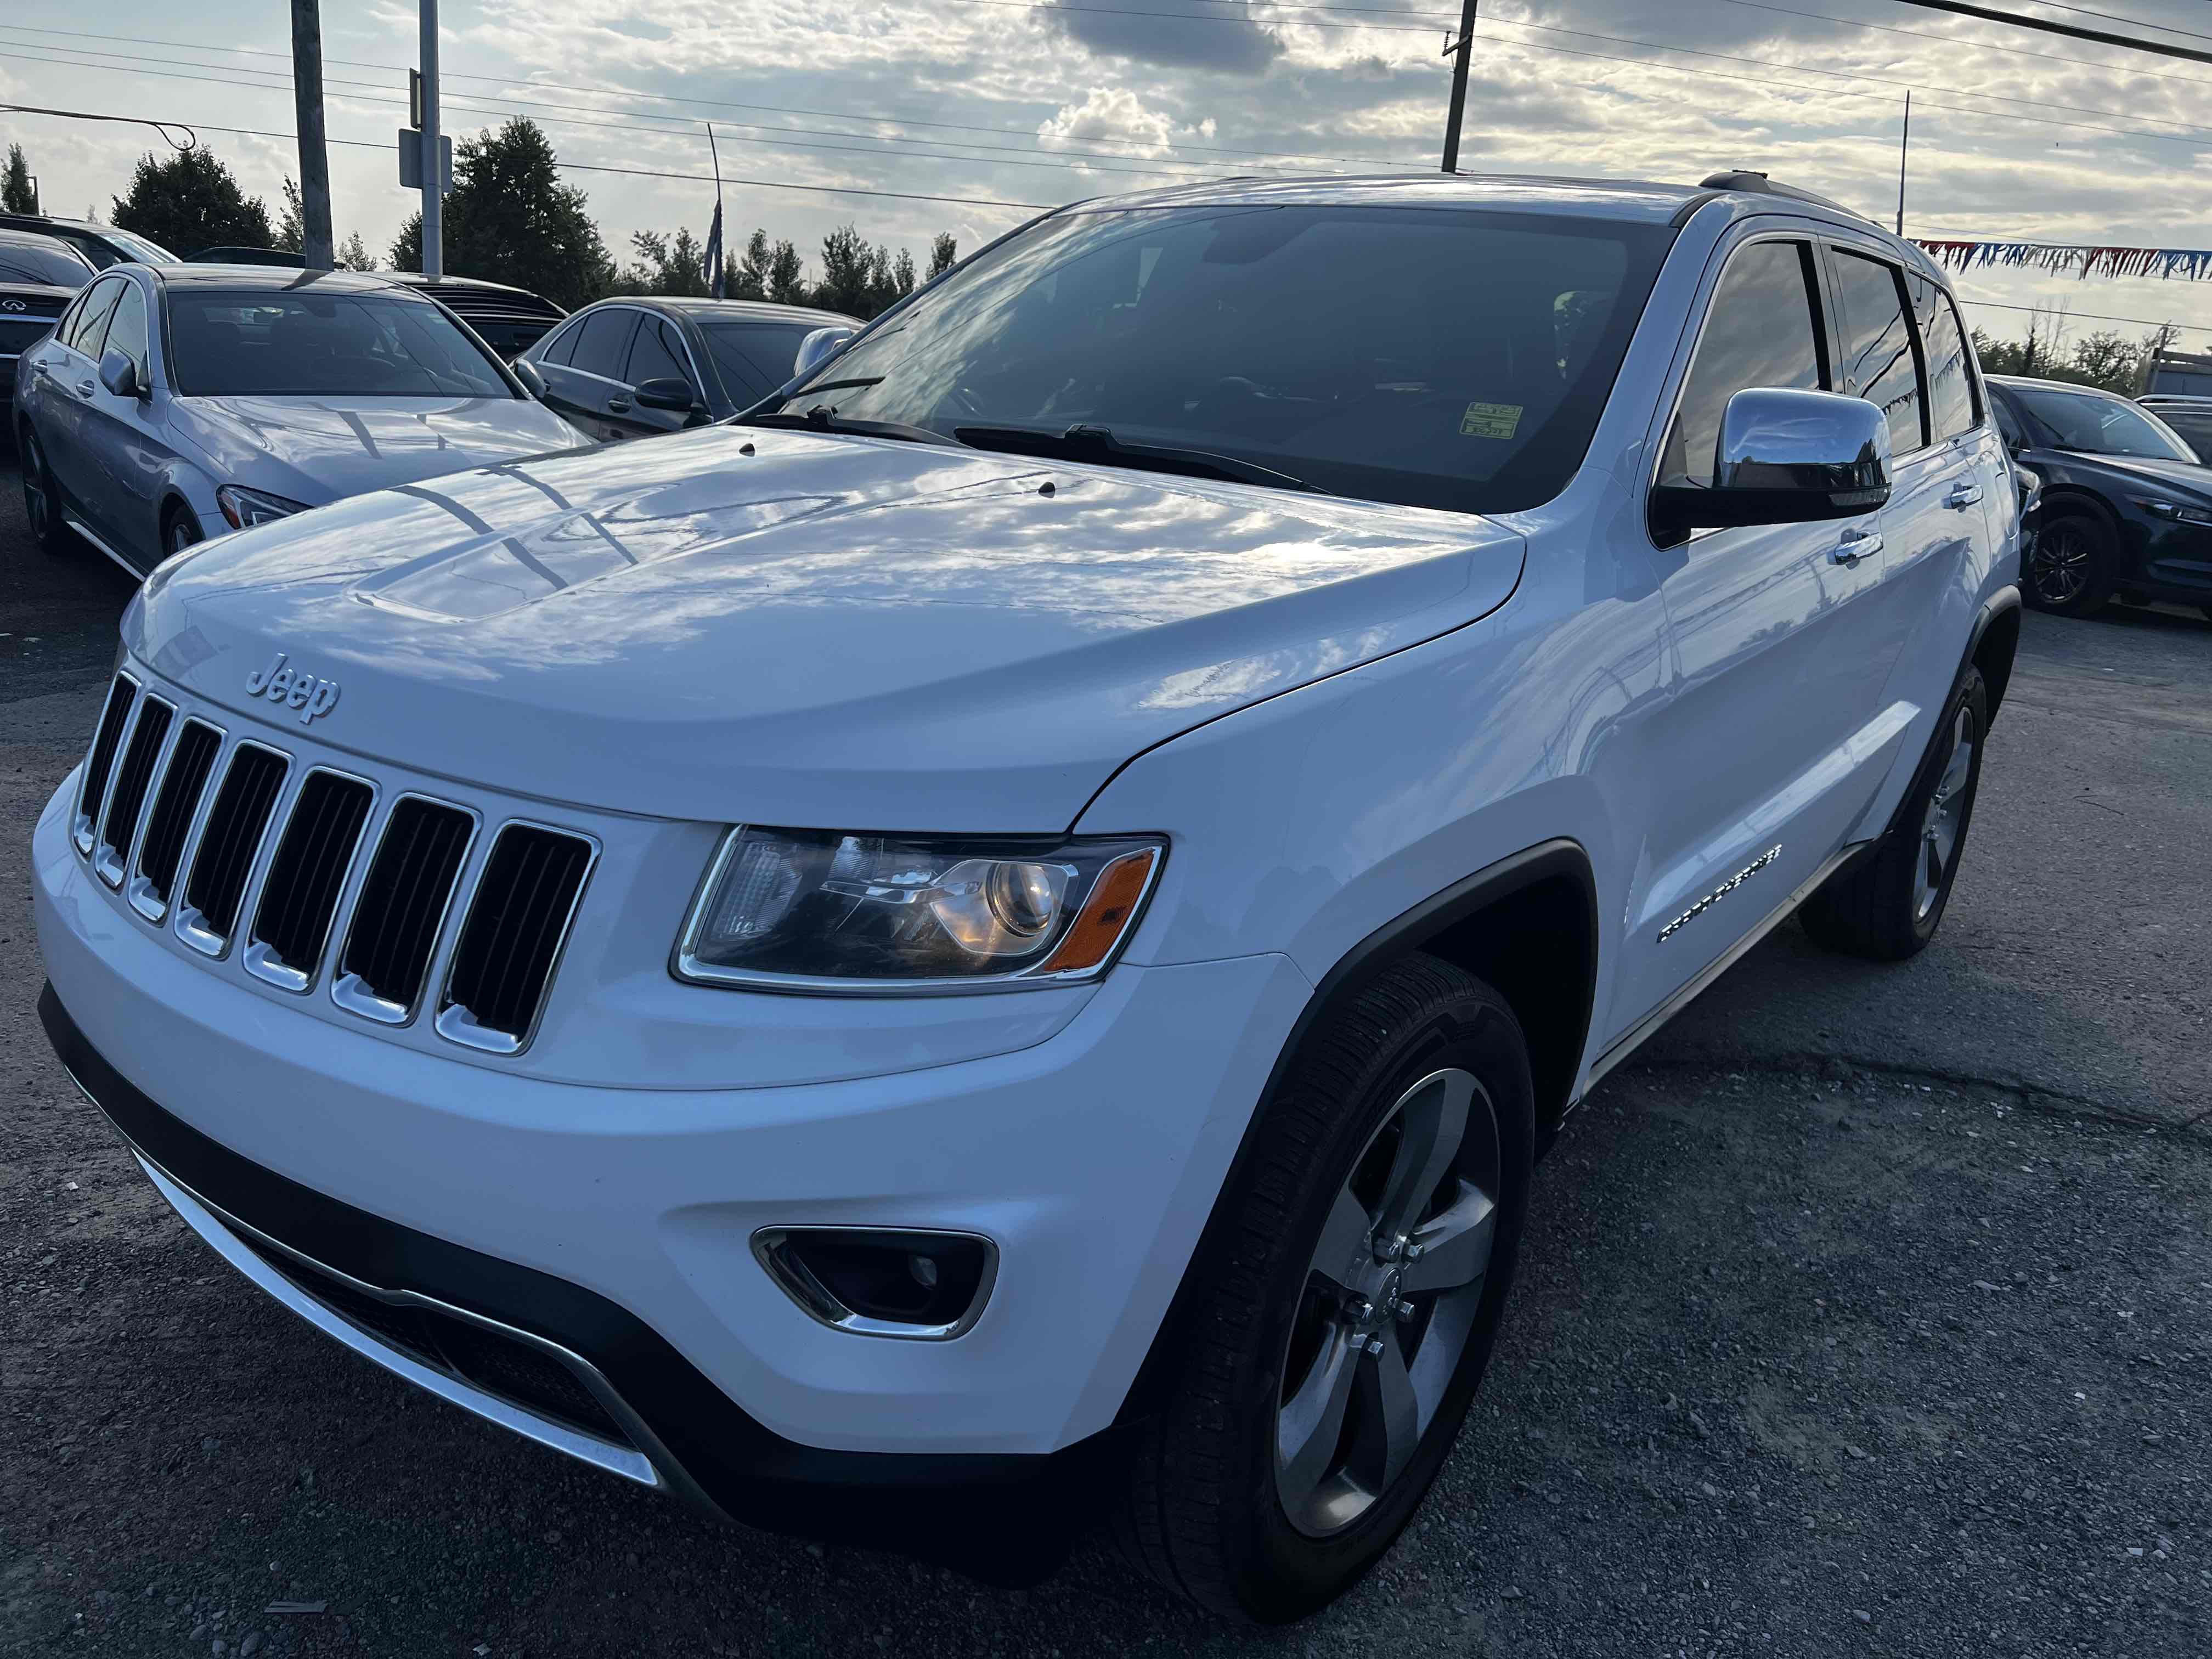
{"x":584,"y":365}
{"x":71,"y":377}
{"x":1774,"y":638}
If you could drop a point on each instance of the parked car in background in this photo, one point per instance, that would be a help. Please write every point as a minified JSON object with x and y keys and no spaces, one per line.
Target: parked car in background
{"x":2127,"y":506}
{"x":2189,"y":415}
{"x":102,"y":244}
{"x":171,"y":403}
{"x":39,"y":275}
{"x":247,"y":255}
{"x":1004,"y":931}
{"x":634,"y":367}
{"x":510,"y":319}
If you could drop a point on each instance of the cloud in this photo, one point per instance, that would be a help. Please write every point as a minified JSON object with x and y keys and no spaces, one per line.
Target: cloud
{"x":1202,"y":34}
{"x":1114,"y":115}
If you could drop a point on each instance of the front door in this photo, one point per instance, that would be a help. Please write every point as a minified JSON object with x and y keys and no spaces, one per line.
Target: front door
{"x":1775,"y":642}
{"x":582,"y":388}
{"x":72,"y":378}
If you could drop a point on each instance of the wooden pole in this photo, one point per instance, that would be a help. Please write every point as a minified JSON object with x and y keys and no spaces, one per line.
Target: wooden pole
{"x":315,"y":248}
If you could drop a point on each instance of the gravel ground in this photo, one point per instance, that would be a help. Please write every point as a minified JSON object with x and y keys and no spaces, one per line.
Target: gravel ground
{"x":1865,"y":1313}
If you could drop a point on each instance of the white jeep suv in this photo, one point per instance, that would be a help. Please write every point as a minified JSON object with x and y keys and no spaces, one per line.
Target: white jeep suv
{"x":999,"y":935}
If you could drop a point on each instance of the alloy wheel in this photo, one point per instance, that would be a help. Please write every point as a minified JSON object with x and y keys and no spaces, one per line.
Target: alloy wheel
{"x":2060,"y":563}
{"x":1940,"y":825}
{"x":183,"y":533}
{"x":1390,"y":1305}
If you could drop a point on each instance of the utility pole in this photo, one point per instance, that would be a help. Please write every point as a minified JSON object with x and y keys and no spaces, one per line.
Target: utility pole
{"x":315,"y":249}
{"x":1464,"y":47}
{"x":1904,"y":148}
{"x":433,"y":170}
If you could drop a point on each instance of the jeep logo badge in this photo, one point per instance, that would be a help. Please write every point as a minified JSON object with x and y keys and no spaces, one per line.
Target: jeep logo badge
{"x":295,"y":688}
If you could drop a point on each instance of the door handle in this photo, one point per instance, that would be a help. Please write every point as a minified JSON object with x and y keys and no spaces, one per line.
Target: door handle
{"x":1855,"y":545}
{"x":1963,"y":495}
{"x":617,"y":405}
{"x":84,"y":388}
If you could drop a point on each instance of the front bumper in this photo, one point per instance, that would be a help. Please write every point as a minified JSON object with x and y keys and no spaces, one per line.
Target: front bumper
{"x":614,"y":1224}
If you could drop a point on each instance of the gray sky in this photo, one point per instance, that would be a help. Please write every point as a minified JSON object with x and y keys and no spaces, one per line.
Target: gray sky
{"x":2015,"y":133}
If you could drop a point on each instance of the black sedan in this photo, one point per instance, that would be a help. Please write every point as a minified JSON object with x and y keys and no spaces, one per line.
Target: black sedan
{"x":2127,"y":508}
{"x":101,"y":245}
{"x":38,"y":276}
{"x":621,"y":369}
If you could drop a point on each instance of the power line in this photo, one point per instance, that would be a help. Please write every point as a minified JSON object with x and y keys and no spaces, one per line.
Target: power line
{"x":2051,"y":25}
{"x":2092,"y":316}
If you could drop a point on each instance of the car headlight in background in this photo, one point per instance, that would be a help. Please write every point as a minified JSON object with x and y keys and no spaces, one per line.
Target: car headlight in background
{"x":824,"y":911}
{"x":2182,"y":512}
{"x":246,"y":507}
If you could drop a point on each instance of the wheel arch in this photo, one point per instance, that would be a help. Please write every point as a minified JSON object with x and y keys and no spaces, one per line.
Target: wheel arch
{"x":1527,"y":925}
{"x":2059,"y":498}
{"x":1996,"y":642}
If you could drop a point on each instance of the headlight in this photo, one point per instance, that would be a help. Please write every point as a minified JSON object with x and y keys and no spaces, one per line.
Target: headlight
{"x":822,"y":911}
{"x":2159,"y":507}
{"x":246,"y":507}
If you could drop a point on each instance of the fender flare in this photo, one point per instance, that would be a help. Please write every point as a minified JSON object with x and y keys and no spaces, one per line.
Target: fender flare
{"x":1408,"y":931}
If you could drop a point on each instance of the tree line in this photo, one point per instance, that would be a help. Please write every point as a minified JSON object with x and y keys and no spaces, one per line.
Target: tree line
{"x":2107,"y":358}
{"x":509,"y":219}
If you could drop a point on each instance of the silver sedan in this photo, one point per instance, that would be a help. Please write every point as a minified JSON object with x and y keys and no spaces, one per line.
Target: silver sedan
{"x":176,"y":402}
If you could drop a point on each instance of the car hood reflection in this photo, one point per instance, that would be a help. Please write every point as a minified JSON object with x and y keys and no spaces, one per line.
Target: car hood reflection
{"x":329,"y":447}
{"x":738,"y":624}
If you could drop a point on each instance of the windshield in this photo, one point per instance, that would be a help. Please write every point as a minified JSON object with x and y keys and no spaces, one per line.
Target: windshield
{"x":145,"y":252}
{"x":1436,"y":357}
{"x":754,"y":357}
{"x":51,"y":265}
{"x":2097,"y":425}
{"x":277,"y":342}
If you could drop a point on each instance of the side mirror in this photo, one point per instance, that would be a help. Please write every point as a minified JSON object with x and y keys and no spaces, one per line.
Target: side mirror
{"x":533,"y":382}
{"x":671,"y":392}
{"x":120,"y":376}
{"x":1784,"y":458}
{"x":818,"y":348}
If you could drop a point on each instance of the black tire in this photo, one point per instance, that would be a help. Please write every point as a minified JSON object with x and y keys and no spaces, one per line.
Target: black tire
{"x":1878,"y":907}
{"x":2071,"y":570}
{"x":1205,"y":1512}
{"x":181,"y":529}
{"x":41,"y":507}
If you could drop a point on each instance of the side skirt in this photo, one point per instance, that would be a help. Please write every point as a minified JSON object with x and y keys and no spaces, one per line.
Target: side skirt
{"x":1674,"y":1005}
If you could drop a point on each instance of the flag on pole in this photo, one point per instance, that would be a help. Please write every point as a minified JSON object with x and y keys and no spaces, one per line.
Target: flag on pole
{"x":713,"y":260}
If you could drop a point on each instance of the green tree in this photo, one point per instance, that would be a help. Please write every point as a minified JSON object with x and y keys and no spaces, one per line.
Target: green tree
{"x":943,"y":251}
{"x":510,"y":219}
{"x":292,"y":227}
{"x":191,"y":201}
{"x":786,"y":276}
{"x":16,"y":195}
{"x":676,"y":268}
{"x":859,"y":277}
{"x":356,"y":256}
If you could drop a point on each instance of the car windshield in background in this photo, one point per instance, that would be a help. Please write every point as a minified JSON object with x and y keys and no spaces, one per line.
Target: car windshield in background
{"x":2096,"y":425}
{"x":50,"y":267}
{"x":754,"y":354}
{"x":145,"y":252}
{"x":276,"y":343}
{"x":1436,"y":357}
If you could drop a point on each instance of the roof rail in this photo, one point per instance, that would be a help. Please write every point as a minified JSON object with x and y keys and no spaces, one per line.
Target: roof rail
{"x":1757,"y":183}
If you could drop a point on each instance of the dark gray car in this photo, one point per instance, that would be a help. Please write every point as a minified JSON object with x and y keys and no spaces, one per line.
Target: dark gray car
{"x":727,"y":354}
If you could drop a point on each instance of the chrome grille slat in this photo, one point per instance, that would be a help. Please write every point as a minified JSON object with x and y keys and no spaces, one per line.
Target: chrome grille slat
{"x":108,"y":738}
{"x":513,"y":935}
{"x":126,"y":800}
{"x":306,"y":876}
{"x":160,"y":852}
{"x":405,"y":898}
{"x":222,"y":864}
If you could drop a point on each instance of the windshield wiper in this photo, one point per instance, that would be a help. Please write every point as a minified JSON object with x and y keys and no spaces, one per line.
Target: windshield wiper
{"x":1098,"y":445}
{"x":823,"y":417}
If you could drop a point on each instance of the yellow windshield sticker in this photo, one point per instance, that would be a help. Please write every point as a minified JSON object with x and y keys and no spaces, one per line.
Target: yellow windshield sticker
{"x":1490,"y":421}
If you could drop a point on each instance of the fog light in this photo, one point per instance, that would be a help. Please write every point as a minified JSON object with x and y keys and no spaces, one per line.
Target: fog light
{"x":880,"y":1281}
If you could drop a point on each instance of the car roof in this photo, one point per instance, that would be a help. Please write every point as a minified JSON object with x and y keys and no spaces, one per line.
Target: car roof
{"x":15,"y":236}
{"x":752,"y":310}
{"x":274,"y":279}
{"x":2024,"y":381}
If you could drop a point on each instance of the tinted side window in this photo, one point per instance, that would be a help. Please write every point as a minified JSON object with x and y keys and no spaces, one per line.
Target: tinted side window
{"x":655,"y":355}
{"x":556,"y":348}
{"x":1951,"y":406}
{"x":1762,"y":331}
{"x":603,"y":346}
{"x":1878,"y":359}
{"x":127,"y":330}
{"x":2194,"y":426}
{"x":91,"y":325}
{"x":2007,"y":419}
